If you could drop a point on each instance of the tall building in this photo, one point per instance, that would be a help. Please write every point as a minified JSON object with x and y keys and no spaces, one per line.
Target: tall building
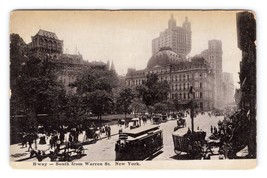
{"x":45,"y":43}
{"x":175,"y":37}
{"x":246,"y":37}
{"x":180,"y":75}
{"x":213,"y":55}
{"x":228,"y":89}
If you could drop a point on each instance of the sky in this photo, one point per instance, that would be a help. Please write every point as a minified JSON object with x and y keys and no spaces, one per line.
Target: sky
{"x":125,"y":37}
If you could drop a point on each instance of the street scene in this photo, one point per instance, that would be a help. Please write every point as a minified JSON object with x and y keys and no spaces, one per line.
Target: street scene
{"x":132,"y":86}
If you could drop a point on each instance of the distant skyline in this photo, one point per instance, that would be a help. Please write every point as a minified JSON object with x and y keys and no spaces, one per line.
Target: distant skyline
{"x":125,"y":37}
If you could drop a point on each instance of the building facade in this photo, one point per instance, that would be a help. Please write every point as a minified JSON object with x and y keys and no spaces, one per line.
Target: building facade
{"x":228,"y":89}
{"x":213,"y":55}
{"x":180,"y":75}
{"x":246,"y":38}
{"x":46,"y":45}
{"x":175,"y":37}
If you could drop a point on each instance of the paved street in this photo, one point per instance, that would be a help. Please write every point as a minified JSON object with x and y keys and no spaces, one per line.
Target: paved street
{"x":103,"y":150}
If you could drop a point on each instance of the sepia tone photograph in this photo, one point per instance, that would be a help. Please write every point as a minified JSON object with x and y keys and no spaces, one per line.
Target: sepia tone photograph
{"x":135,"y":89}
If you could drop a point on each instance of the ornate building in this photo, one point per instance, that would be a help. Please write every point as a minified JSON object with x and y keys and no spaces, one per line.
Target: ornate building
{"x":43,"y":43}
{"x":46,"y":45}
{"x":180,"y":75}
{"x":175,"y":37}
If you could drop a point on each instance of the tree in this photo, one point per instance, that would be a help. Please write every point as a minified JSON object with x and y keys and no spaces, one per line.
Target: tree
{"x":38,"y":89}
{"x":95,"y":85}
{"x":153,"y":91}
{"x":125,"y":99}
{"x":138,"y":106}
{"x":17,"y":57}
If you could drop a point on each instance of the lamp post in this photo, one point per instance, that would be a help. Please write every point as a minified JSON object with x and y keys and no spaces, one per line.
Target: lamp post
{"x":192,"y":111}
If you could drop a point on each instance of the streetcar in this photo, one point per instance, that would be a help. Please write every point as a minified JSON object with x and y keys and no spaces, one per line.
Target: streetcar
{"x":139,"y":144}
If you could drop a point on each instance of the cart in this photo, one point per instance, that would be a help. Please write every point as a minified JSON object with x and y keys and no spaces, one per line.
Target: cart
{"x":190,"y":144}
{"x":71,"y":151}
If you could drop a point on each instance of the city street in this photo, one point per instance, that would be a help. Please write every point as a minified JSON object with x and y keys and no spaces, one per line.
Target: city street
{"x":103,"y":150}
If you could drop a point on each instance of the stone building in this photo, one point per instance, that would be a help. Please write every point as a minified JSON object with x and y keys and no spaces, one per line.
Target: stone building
{"x":213,"y":55}
{"x":180,"y":75}
{"x":46,"y":45}
{"x":228,"y":89}
{"x":175,"y":37}
{"x":246,"y":38}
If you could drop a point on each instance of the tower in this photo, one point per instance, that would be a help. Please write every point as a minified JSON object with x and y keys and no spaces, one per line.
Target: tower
{"x":112,"y":67}
{"x":176,"y":37}
{"x":172,"y":23}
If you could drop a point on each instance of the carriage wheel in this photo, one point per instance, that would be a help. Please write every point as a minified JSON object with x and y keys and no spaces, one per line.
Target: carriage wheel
{"x":177,"y":152}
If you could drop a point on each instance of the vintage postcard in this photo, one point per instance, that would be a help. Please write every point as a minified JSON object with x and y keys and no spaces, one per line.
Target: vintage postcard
{"x":133,"y":89}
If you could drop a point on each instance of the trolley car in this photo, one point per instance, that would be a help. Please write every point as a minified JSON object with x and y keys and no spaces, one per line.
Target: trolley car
{"x":139,"y":144}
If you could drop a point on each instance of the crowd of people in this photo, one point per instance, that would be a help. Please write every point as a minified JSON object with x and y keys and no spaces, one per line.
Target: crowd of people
{"x":60,"y":138}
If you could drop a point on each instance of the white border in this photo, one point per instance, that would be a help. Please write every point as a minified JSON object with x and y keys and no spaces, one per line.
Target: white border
{"x":7,"y":5}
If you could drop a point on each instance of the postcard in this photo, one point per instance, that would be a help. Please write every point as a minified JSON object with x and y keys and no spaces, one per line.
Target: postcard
{"x":133,"y":89}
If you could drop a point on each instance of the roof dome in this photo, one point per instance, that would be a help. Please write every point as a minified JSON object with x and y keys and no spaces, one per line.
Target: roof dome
{"x":164,"y":57}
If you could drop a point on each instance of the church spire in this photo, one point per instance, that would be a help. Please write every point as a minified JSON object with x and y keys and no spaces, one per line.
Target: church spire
{"x":108,"y":65}
{"x":112,"y":66}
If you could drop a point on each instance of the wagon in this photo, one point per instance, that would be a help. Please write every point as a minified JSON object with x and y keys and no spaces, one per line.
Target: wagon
{"x":190,"y":144}
{"x":71,"y":151}
{"x":91,"y":134}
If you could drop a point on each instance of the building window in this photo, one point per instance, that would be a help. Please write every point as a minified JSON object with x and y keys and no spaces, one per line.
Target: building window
{"x":196,"y":84}
{"x":201,"y":105}
{"x":200,"y":95}
{"x":200,"y":85}
{"x":196,"y":75}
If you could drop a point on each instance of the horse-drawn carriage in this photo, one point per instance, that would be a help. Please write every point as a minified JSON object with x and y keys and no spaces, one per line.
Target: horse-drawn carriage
{"x":92,"y":134}
{"x":190,"y":144}
{"x":181,"y":123}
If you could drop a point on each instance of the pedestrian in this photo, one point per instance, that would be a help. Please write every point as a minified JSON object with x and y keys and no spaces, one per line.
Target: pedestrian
{"x":62,"y":136}
{"x":211,"y":129}
{"x":109,"y":132}
{"x":24,"y":140}
{"x":30,"y":142}
{"x":215,"y":130}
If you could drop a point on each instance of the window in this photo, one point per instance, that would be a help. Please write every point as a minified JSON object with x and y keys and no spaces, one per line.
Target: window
{"x":196,"y":76}
{"x":196,"y":84}
{"x":201,"y":105}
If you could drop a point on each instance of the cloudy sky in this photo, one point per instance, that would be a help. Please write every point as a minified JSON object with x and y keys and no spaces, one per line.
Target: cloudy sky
{"x":125,"y":36}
